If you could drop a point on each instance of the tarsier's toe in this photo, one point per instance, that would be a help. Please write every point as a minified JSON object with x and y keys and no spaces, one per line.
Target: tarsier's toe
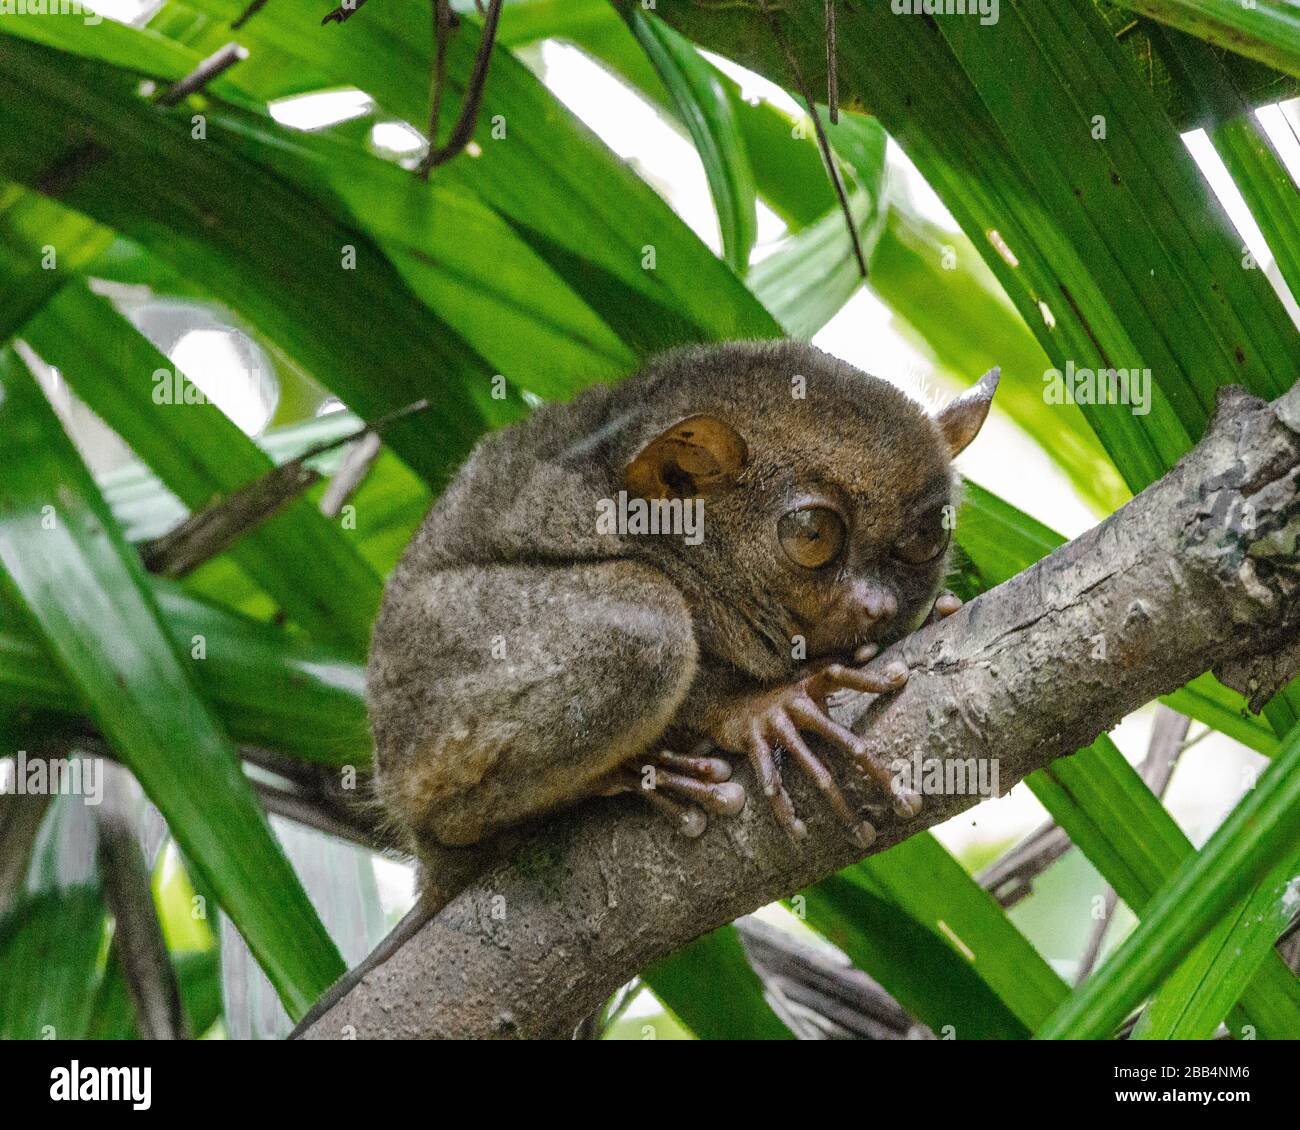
{"x":689,"y":820}
{"x":696,"y":764}
{"x":892,"y":677}
{"x":732,"y":796}
{"x":692,"y":822}
{"x":905,"y":802}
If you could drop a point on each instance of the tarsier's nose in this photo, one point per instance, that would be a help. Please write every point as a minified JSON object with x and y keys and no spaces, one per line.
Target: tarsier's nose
{"x":876,"y":601}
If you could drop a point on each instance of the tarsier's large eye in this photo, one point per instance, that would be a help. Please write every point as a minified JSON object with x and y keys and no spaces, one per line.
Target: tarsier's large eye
{"x":812,"y":536}
{"x":925,"y":542}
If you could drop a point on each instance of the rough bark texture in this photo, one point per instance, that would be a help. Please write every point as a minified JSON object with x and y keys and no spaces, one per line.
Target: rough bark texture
{"x":1200,"y":570}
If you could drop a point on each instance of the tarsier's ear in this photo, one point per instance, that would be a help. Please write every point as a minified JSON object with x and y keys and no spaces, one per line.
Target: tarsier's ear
{"x":696,"y":456}
{"x":961,"y":420}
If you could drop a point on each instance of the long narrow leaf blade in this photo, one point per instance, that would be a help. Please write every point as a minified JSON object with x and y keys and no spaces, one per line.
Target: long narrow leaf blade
{"x":1260,"y":833}
{"x":88,"y":593}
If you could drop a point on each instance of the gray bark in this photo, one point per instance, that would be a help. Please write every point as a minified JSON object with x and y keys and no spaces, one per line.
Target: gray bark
{"x":1201,"y":570}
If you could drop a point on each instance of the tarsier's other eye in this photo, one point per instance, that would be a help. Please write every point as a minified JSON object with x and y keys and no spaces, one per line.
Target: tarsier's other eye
{"x":925,"y":542}
{"x":811,"y":536}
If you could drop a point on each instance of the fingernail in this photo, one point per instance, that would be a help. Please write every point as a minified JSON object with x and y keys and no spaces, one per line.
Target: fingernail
{"x":865,"y":834}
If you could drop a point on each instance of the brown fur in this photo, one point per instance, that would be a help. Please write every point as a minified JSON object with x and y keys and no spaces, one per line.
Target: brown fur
{"x":521,"y":655}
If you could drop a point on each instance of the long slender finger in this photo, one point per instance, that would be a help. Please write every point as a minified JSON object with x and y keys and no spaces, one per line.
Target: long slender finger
{"x":725,"y":798}
{"x":785,"y":731}
{"x":769,"y":780}
{"x":838,"y":677}
{"x":904,"y":801}
{"x":704,"y":768}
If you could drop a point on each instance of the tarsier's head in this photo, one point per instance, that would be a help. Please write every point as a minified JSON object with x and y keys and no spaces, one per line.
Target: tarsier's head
{"x":828,"y":493}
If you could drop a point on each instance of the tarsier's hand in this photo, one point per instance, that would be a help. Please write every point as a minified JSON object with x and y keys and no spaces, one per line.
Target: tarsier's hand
{"x":685,"y":787}
{"x":759,"y":724}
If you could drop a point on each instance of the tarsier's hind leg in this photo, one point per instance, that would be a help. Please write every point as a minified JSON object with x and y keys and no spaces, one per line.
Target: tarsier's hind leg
{"x":500,"y":693}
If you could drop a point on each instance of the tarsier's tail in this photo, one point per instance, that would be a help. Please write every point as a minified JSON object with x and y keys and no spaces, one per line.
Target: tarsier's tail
{"x":443,"y":873}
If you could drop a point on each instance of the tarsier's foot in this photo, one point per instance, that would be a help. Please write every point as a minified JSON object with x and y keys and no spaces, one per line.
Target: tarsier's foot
{"x":684,"y":787}
{"x":759,"y":725}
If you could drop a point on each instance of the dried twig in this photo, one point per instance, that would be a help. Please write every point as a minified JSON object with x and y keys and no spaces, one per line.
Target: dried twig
{"x":344,"y":11}
{"x":463,"y":129}
{"x":138,"y":944}
{"x":832,"y":66}
{"x":1011,"y":877}
{"x":828,"y":155}
{"x":823,"y":995}
{"x":215,"y":64}
{"x":79,"y":160}
{"x":356,"y":465}
{"x":20,"y":821}
{"x":247,"y":14}
{"x":213,"y":530}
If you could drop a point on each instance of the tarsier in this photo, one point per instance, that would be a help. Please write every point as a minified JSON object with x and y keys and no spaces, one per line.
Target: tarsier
{"x":527,"y":657}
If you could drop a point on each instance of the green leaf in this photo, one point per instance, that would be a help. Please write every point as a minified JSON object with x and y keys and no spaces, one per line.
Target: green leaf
{"x":267,"y":688}
{"x":561,"y":189}
{"x":806,"y":280}
{"x":705,"y":106}
{"x":1103,"y":264}
{"x":198,"y":974}
{"x":785,"y":160}
{"x":1266,"y":30}
{"x":923,"y":878}
{"x":88,"y":593}
{"x":49,"y":964}
{"x":1200,"y":993}
{"x":41,"y":246}
{"x":458,"y":256}
{"x":711,"y":988}
{"x":265,"y":248}
{"x":1196,"y":319}
{"x":200,"y":454}
{"x":920,"y":969}
{"x":1259,"y":834}
{"x":1248,"y":154}
{"x":1209,"y":701}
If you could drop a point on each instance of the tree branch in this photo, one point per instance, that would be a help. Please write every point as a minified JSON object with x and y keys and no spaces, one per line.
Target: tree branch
{"x":1201,"y":569}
